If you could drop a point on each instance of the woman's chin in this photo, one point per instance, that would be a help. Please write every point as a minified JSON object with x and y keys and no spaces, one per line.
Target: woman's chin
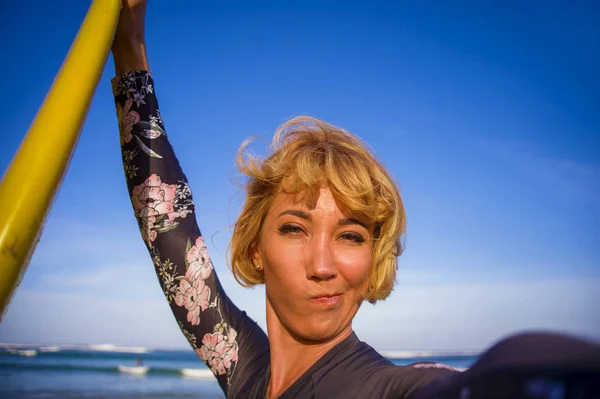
{"x":319,"y":331}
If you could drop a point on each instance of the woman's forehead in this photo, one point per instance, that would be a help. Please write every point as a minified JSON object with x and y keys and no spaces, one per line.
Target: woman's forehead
{"x":319,"y":199}
{"x":322,"y":203}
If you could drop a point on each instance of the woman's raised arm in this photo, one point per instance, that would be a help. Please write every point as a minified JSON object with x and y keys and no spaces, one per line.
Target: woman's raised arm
{"x":227,"y":340}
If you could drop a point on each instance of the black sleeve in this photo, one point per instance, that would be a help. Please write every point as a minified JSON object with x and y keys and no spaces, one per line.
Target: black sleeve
{"x":410,"y":378}
{"x":224,"y":337}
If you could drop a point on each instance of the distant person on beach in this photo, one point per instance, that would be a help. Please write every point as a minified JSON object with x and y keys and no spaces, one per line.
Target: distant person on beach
{"x":320,"y":228}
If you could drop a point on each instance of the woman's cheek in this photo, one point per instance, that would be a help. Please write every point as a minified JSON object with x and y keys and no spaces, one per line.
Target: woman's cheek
{"x":355,"y":266}
{"x":284,"y":264}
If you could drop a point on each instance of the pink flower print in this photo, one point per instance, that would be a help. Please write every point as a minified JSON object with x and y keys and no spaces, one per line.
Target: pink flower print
{"x":152,"y":133}
{"x":194,"y":297}
{"x":127,"y":119}
{"x":219,"y":351}
{"x":181,"y":214}
{"x":168,"y":222}
{"x":153,"y":197}
{"x":231,"y":338}
{"x":148,"y":232}
{"x":199,"y":264}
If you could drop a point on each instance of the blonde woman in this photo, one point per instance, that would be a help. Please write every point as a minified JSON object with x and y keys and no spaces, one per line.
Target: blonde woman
{"x":320,"y":228}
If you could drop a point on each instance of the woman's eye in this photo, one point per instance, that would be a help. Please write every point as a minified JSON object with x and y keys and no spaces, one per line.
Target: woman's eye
{"x":355,"y":237}
{"x":290,"y":229}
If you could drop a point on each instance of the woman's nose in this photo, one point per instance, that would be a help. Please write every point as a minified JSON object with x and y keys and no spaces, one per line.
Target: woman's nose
{"x":320,"y":263}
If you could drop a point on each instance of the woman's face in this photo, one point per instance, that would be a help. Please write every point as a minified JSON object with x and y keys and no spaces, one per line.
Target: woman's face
{"x":316,"y":263}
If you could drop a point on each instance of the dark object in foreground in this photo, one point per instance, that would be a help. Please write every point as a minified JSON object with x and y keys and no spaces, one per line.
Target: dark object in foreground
{"x":526,"y":366}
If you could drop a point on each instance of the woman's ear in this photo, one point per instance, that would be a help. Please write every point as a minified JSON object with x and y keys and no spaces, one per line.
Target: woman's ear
{"x":257,"y":261}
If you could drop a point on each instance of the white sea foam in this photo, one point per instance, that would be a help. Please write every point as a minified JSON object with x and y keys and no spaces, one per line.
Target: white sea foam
{"x":54,"y":348}
{"x":120,"y":349}
{"x":22,"y":352}
{"x":197,"y":373}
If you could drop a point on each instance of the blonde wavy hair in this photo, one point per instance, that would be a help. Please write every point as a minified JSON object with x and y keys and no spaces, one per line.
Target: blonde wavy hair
{"x":305,"y":155}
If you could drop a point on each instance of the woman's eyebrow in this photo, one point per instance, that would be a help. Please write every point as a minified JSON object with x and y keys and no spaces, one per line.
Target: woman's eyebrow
{"x":299,"y":214}
{"x":347,"y":221}
{"x":306,"y":216}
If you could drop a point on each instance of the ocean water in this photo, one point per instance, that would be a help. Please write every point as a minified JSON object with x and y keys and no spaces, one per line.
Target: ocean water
{"x":84,"y":373}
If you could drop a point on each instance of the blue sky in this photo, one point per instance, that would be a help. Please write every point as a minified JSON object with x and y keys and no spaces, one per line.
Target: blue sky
{"x":485,"y":114}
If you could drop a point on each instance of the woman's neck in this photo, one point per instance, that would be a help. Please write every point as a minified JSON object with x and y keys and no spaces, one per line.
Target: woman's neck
{"x":290,"y":356}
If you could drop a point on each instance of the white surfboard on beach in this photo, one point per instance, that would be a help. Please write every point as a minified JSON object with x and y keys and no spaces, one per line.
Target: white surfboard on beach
{"x":196,"y":373}
{"x":135,"y":370}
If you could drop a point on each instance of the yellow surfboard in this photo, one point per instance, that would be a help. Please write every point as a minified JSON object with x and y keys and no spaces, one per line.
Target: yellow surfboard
{"x":33,"y":178}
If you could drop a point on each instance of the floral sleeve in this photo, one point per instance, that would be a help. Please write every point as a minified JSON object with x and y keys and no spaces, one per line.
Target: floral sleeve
{"x":227,"y":340}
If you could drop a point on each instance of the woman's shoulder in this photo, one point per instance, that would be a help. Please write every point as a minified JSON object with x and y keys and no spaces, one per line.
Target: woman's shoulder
{"x":402,"y":381}
{"x":399,"y":381}
{"x":360,"y":371}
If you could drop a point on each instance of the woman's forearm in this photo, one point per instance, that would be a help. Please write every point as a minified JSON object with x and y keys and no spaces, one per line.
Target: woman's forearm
{"x":129,"y":45}
{"x":130,"y":57}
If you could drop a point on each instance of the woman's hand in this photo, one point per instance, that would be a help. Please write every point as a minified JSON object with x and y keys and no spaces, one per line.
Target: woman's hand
{"x":129,"y":45}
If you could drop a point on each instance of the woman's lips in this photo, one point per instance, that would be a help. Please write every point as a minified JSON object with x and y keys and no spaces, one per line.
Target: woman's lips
{"x":327,"y":300}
